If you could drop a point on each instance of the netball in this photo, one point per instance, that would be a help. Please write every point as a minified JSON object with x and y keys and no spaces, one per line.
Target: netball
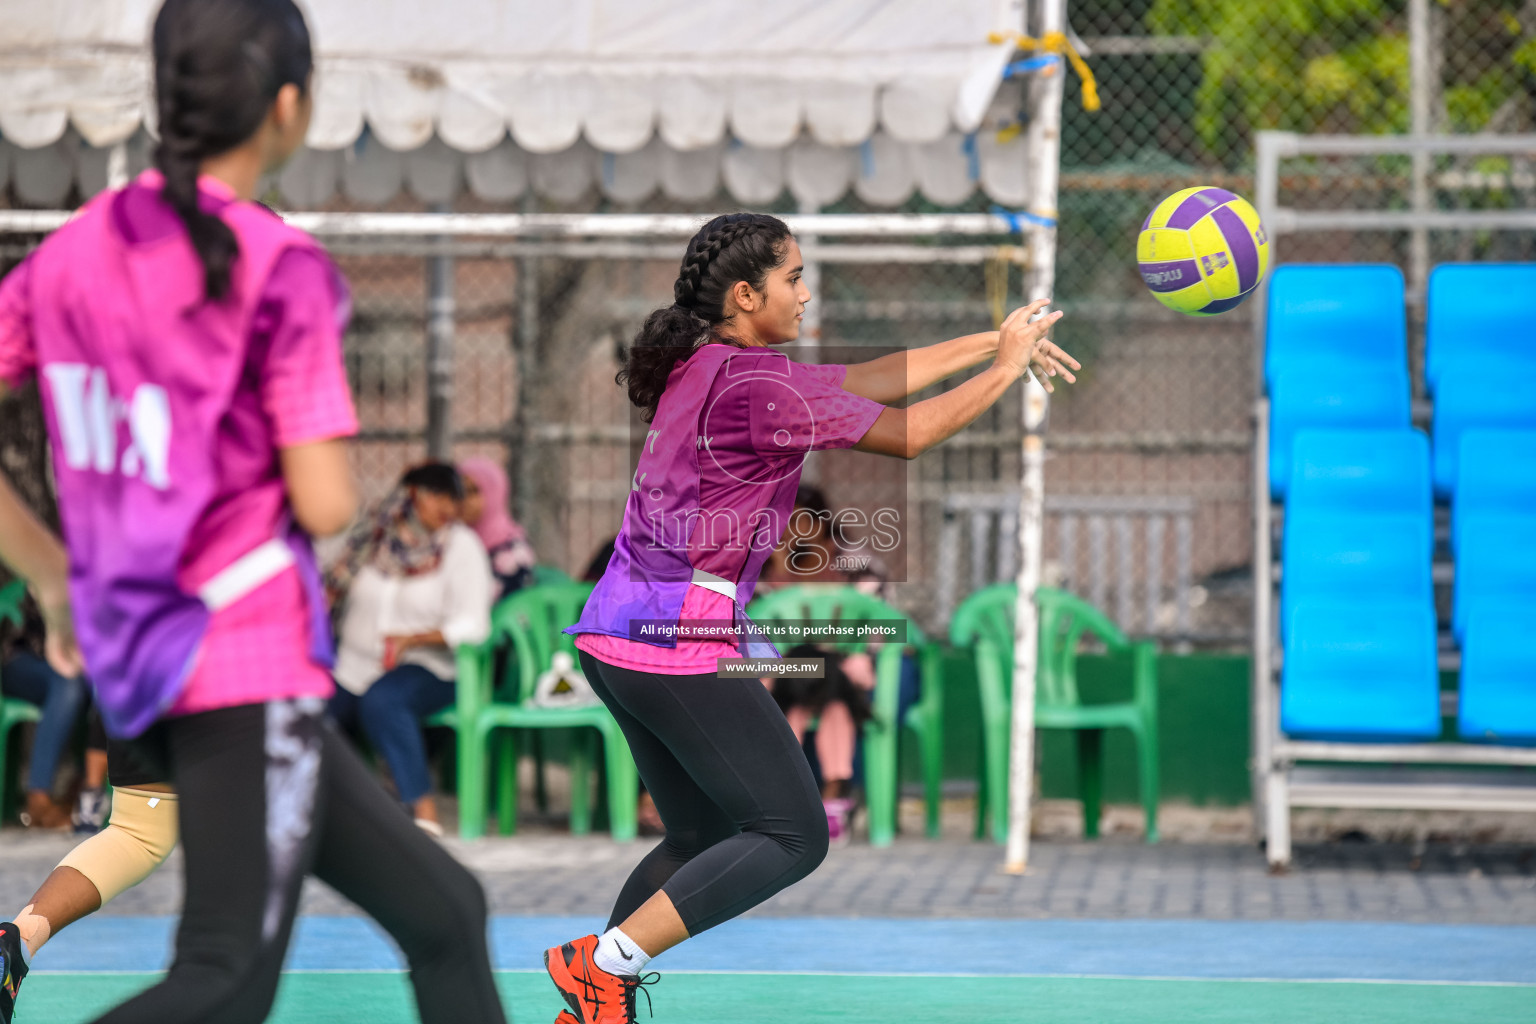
{"x":1202,"y":251}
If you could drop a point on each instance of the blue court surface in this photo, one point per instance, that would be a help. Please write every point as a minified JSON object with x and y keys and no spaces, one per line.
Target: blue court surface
{"x":867,"y":970}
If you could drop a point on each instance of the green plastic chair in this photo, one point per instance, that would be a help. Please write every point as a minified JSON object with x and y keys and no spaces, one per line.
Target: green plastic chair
{"x":831,"y":603}
{"x":12,"y":712}
{"x":984,"y":623}
{"x":531,"y":619}
{"x":549,"y":575}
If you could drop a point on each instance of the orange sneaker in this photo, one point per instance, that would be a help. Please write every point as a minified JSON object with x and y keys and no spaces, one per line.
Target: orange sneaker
{"x":594,"y":995}
{"x":567,"y":1017}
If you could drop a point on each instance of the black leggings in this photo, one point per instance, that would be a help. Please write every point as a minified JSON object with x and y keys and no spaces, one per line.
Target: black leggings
{"x":269,"y":793}
{"x":744,"y":819}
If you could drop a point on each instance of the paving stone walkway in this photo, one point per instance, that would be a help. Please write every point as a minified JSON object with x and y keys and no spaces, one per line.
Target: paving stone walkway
{"x":543,"y":872}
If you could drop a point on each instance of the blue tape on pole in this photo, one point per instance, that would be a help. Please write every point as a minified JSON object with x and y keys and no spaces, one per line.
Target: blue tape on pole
{"x":1031,"y":65}
{"x":1017,"y":219}
{"x":972,"y":157}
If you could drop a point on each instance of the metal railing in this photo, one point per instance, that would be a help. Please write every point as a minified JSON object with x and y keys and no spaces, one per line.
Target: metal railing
{"x":1103,"y":529}
{"x":1277,"y":784}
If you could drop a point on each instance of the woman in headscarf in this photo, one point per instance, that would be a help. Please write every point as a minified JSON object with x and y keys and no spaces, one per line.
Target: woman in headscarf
{"x":485,"y":511}
{"x":412,"y":584}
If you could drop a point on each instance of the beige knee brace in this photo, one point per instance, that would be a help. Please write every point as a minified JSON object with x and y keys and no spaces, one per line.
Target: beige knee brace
{"x":141,"y":834}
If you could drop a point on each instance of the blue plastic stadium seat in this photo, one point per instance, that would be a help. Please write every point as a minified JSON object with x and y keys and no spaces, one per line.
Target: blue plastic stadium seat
{"x":1303,"y":399}
{"x":1361,"y":670}
{"x":1332,"y":318}
{"x":1473,"y":397}
{"x":1496,"y":474}
{"x":1498,"y":674}
{"x":1479,"y":313}
{"x":1341,"y":558}
{"x":1360,"y":472}
{"x":1496,"y":562}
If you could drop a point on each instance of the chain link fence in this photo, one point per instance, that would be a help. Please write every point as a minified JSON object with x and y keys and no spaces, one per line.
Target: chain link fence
{"x":1149,"y":467}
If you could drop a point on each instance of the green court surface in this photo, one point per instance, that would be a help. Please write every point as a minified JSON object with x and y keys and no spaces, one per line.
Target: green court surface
{"x":385,"y":998}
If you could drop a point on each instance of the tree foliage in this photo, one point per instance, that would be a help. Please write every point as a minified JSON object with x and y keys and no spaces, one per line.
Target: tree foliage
{"x":1343,"y":65}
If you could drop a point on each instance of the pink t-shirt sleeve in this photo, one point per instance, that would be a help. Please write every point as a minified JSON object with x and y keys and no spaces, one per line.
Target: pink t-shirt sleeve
{"x":302,"y":315}
{"x":18,"y":352}
{"x":809,"y":411}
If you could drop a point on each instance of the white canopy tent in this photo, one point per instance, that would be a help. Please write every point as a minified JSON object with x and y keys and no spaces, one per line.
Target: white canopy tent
{"x":884,"y":98}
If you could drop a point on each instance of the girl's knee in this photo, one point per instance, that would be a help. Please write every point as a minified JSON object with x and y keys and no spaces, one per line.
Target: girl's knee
{"x":685,"y":844}
{"x":818,"y":840}
{"x":465,"y":909}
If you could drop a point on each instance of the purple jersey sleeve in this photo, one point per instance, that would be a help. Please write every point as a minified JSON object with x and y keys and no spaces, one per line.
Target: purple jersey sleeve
{"x":300,"y":320}
{"x":18,"y":352}
{"x":808,"y":410}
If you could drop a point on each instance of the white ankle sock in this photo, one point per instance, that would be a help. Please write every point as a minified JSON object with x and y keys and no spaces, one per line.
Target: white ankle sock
{"x":617,"y":953}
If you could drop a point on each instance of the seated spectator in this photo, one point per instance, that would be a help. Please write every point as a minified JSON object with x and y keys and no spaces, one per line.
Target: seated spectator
{"x":647,"y":817}
{"x":840,"y":701}
{"x":411,"y":584}
{"x":599,"y":563}
{"x":26,"y":675}
{"x":92,"y":805}
{"x":812,"y":552}
{"x":485,"y":512}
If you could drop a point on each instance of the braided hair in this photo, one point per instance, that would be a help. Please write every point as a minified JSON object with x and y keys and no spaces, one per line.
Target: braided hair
{"x":219,"y":64}
{"x":732,"y":247}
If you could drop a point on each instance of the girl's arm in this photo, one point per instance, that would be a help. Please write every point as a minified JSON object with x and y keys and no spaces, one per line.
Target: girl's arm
{"x":907,"y":433}
{"x":319,"y":484}
{"x":900,"y":374}
{"x":893,"y":377}
{"x":32,"y":551}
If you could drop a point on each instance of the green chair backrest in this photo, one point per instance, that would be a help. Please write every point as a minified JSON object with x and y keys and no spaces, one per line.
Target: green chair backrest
{"x":549,"y":575}
{"x":1064,"y":620}
{"x":827,"y":602}
{"x":11,"y":596}
{"x":532,"y":620}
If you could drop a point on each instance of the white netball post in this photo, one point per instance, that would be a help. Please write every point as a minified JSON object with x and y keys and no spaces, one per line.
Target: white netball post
{"x":1043,"y":154}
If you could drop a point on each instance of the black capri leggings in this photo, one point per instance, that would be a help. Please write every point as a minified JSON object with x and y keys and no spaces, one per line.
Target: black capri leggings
{"x":744,"y":819}
{"x":270,"y":793}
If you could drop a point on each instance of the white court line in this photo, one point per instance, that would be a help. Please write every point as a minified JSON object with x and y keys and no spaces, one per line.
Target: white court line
{"x":909,"y":974}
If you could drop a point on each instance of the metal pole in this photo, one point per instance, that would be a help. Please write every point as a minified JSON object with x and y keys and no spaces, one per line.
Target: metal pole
{"x":1269,"y":146}
{"x":1419,"y":91}
{"x":440,"y":313}
{"x":585,"y":225}
{"x":117,"y":166}
{"x":1263,"y":678}
{"x":810,"y":326}
{"x":525,"y":357}
{"x":1043,"y":153}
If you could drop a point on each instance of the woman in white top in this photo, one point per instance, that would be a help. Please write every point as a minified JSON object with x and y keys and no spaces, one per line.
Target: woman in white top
{"x":412,"y":584}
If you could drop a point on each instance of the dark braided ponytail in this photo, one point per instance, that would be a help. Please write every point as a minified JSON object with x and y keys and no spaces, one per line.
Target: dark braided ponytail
{"x":218,"y":66}
{"x":731,"y":248}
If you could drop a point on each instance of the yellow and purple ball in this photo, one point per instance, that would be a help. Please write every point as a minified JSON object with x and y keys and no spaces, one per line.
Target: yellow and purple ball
{"x":1202,"y":251}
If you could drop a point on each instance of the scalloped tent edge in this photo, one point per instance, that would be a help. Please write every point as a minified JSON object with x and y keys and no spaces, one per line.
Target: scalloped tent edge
{"x":623,"y":96}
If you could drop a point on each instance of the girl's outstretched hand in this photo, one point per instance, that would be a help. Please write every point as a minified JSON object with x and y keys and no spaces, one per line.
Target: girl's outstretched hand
{"x":1051,"y":360}
{"x":1022,"y":344}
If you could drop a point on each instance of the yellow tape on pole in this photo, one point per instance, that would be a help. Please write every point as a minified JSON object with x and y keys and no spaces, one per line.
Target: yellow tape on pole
{"x":1056,"y":42}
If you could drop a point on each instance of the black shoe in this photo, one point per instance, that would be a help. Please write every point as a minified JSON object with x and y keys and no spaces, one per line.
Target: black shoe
{"x":12,"y":969}
{"x":90,"y":812}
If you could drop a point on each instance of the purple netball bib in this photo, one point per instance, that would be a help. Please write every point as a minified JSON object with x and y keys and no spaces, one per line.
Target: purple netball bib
{"x":708,"y":402}
{"x":136,"y":373}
